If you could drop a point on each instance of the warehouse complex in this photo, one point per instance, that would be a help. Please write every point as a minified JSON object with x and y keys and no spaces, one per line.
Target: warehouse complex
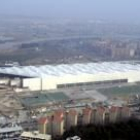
{"x":48,"y":77}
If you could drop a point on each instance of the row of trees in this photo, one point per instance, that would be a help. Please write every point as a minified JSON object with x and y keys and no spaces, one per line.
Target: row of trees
{"x":129,"y":130}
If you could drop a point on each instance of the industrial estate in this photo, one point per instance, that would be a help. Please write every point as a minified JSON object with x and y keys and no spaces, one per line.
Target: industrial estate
{"x":61,"y":75}
{"x":43,"y":102}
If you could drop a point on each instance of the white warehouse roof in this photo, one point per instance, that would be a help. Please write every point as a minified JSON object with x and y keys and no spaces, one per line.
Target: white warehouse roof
{"x":70,"y":69}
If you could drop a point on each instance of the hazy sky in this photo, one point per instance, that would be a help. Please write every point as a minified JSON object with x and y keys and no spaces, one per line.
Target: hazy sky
{"x":120,"y":10}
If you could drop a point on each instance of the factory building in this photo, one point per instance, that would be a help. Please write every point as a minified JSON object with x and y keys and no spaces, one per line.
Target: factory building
{"x":49,"y":77}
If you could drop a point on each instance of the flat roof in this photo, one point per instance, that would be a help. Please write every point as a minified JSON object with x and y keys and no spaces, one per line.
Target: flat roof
{"x":70,"y":69}
{"x":44,"y":98}
{"x":10,"y":129}
{"x":121,"y":90}
{"x":36,"y":135}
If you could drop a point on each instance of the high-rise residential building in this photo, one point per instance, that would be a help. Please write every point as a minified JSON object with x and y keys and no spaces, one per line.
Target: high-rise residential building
{"x":42,"y":125}
{"x":58,"y":123}
{"x":86,"y":119}
{"x":115,"y":114}
{"x":94,"y":116}
{"x":100,"y":115}
{"x":118,"y":113}
{"x":71,"y":117}
{"x":106,"y":116}
{"x":125,"y":111}
{"x":60,"y":120}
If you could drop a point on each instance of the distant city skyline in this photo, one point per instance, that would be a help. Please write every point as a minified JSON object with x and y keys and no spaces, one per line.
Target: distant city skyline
{"x":117,"y":10}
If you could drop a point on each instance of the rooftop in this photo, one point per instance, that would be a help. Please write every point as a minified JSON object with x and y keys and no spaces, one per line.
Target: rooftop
{"x":43,"y":98}
{"x":70,"y":69}
{"x":43,"y":120}
{"x":36,"y":135}
{"x":87,"y":111}
{"x":101,"y":109}
{"x":10,"y":129}
{"x":73,"y":112}
{"x":58,"y":115}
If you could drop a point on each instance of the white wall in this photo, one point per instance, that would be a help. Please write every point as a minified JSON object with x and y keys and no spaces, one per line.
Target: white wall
{"x":32,"y":83}
{"x":51,"y":82}
{"x":15,"y":82}
{"x":4,"y":81}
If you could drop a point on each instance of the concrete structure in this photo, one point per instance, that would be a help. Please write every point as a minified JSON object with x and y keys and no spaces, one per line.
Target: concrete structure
{"x":71,"y":117}
{"x":125,"y":112}
{"x":94,"y":116}
{"x":63,"y":119}
{"x":34,"y":136}
{"x":58,"y":123}
{"x":10,"y":132}
{"x":114,"y":114}
{"x":4,"y":81}
{"x":66,"y":76}
{"x":100,"y":115}
{"x":53,"y":125}
{"x":118,"y":113}
{"x":106,"y":117}
{"x":16,"y":82}
{"x":42,"y":125}
{"x":86,"y":116}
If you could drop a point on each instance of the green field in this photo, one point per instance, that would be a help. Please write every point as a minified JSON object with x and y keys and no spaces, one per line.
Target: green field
{"x":43,"y":98}
{"x":124,"y":90}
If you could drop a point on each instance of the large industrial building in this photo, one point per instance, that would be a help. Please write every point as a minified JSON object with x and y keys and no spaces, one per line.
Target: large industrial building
{"x":48,"y":77}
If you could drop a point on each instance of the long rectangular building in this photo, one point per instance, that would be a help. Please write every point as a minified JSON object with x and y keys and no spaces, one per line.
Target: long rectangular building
{"x":48,"y":77}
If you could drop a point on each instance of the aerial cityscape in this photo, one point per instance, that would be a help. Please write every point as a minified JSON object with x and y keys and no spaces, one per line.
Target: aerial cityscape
{"x":69,"y":70}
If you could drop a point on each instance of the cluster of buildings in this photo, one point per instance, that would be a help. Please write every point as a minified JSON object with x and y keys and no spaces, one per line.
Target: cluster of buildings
{"x":117,"y":50}
{"x":62,"y":120}
{"x":12,"y":132}
{"x":17,"y":132}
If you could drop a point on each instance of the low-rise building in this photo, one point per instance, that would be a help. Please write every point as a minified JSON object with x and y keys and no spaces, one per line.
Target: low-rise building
{"x":35,"y":136}
{"x":10,"y":132}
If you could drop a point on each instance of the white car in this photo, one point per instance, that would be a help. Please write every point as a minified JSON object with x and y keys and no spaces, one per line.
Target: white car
{"x":74,"y":138}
